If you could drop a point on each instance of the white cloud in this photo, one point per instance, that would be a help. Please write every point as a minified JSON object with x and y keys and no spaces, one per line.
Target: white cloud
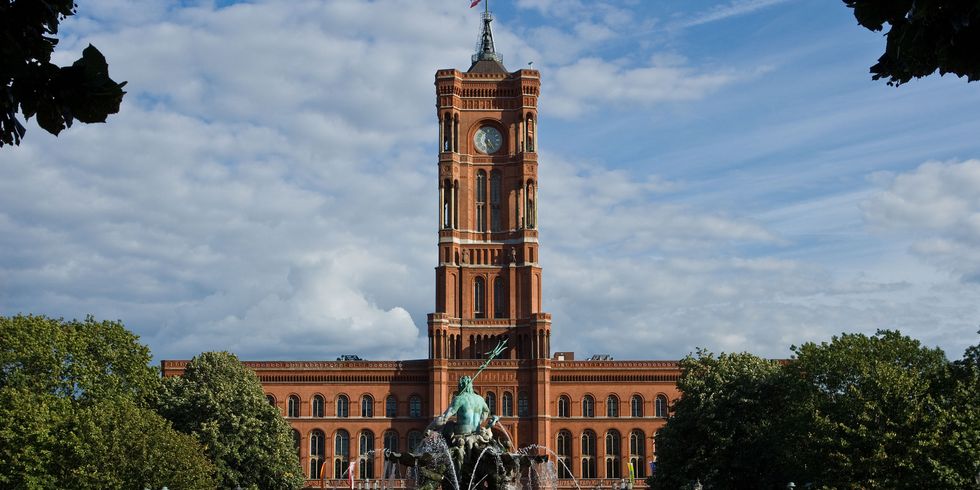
{"x":590,"y":82}
{"x":937,"y":205}
{"x":732,"y":9}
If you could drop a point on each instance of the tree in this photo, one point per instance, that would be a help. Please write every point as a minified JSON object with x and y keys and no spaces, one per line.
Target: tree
{"x":727,"y":429}
{"x":924,"y":36}
{"x":33,"y":85}
{"x":75,"y":411}
{"x":221,"y":402}
{"x":880,"y":408}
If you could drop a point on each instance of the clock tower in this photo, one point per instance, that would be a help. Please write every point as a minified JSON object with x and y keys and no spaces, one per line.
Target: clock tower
{"x":488,"y":280}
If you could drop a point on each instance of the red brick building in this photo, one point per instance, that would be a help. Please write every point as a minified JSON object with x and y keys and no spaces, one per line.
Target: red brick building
{"x":596,"y":415}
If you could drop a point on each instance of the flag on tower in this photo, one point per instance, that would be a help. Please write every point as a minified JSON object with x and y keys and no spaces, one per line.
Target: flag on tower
{"x":474,"y":3}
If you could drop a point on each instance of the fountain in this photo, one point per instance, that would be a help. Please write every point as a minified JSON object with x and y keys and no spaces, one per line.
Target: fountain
{"x":471,"y":449}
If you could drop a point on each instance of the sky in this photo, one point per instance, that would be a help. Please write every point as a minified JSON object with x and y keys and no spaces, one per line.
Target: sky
{"x":716,"y":174}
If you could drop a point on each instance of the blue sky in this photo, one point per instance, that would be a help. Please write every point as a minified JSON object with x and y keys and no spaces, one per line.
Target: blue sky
{"x":722,"y":174}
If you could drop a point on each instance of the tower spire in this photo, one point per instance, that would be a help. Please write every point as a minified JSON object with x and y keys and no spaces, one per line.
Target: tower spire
{"x":484,"y":48}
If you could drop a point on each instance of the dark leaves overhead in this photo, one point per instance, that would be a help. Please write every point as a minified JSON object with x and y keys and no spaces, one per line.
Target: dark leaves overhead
{"x":924,"y":36}
{"x":34,"y":86}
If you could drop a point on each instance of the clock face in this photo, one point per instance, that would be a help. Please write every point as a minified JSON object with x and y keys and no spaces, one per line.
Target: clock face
{"x":487,"y":139}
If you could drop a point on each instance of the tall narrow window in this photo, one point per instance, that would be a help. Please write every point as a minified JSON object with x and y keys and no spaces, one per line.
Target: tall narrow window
{"x":588,"y":406}
{"x":341,"y":454}
{"x":492,"y":403}
{"x":495,"y":216}
{"x":636,"y":406}
{"x":391,"y":407}
{"x":499,"y":299}
{"x":391,"y":440}
{"x":367,"y":406}
{"x":317,"y":449}
{"x":523,"y":409}
{"x":638,"y":453}
{"x":365,"y":455}
{"x":415,"y":406}
{"x":317,"y":406}
{"x":343,"y":406}
{"x":563,"y":406}
{"x":271,"y":399}
{"x":564,"y":454}
{"x":292,"y":406}
{"x":613,"y":463}
{"x":529,"y":133}
{"x":481,"y":201}
{"x":507,"y":403}
{"x":447,"y":134}
{"x":661,"y":406}
{"x":588,"y":454}
{"x":414,"y":439}
{"x":479,"y":298}
{"x":447,"y":203}
{"x":456,"y":133}
{"x":612,"y":406}
{"x":529,"y":197}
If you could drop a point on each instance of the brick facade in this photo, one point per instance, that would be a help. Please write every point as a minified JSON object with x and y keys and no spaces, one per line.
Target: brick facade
{"x":597,"y":414}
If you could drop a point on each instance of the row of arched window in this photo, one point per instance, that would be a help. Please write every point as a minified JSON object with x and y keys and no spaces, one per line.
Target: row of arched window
{"x":337,"y":465}
{"x":507,"y":404}
{"x":527,"y":196}
{"x":317,"y":406}
{"x":612,"y":406}
{"x":612,"y":454}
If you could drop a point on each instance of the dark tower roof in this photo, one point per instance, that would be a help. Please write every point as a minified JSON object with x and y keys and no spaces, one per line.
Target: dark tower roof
{"x":486,"y":59}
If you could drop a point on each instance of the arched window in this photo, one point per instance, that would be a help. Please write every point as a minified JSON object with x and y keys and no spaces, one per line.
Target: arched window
{"x":317,"y":406}
{"x":492,"y":403}
{"x":638,"y":452}
{"x":414,"y":439}
{"x":529,"y":133}
{"x":499,"y":299}
{"x":479,"y":298}
{"x":613,"y":464}
{"x":481,"y":201}
{"x":271,"y":399}
{"x":495,"y":183}
{"x":523,"y":410}
{"x":292,"y":406}
{"x":530,"y":215}
{"x":564,"y":404}
{"x":507,"y":403}
{"x":588,"y":454}
{"x":612,"y":406}
{"x":588,"y":406}
{"x":415,"y":406}
{"x":447,"y":134}
{"x":391,"y":407}
{"x":296,"y":440}
{"x":343,"y":406}
{"x":317,"y":450}
{"x":391,"y":440}
{"x":341,"y":454}
{"x":365,"y":455}
{"x":661,"y":408}
{"x":636,"y":406}
{"x":367,"y":406}
{"x":564,"y":452}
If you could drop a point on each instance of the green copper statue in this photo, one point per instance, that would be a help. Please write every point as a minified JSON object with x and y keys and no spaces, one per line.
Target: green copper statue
{"x":467,"y":439}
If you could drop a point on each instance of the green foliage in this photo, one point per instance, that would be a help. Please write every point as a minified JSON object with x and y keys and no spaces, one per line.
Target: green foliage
{"x":74,"y":411}
{"x":221,"y":402}
{"x":925,"y":36}
{"x":31,"y":84}
{"x":726,"y":429}
{"x":858,"y":412}
{"x":876,"y":411}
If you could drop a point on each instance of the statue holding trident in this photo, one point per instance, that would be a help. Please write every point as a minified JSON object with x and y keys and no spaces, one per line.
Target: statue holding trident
{"x":470,"y":410}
